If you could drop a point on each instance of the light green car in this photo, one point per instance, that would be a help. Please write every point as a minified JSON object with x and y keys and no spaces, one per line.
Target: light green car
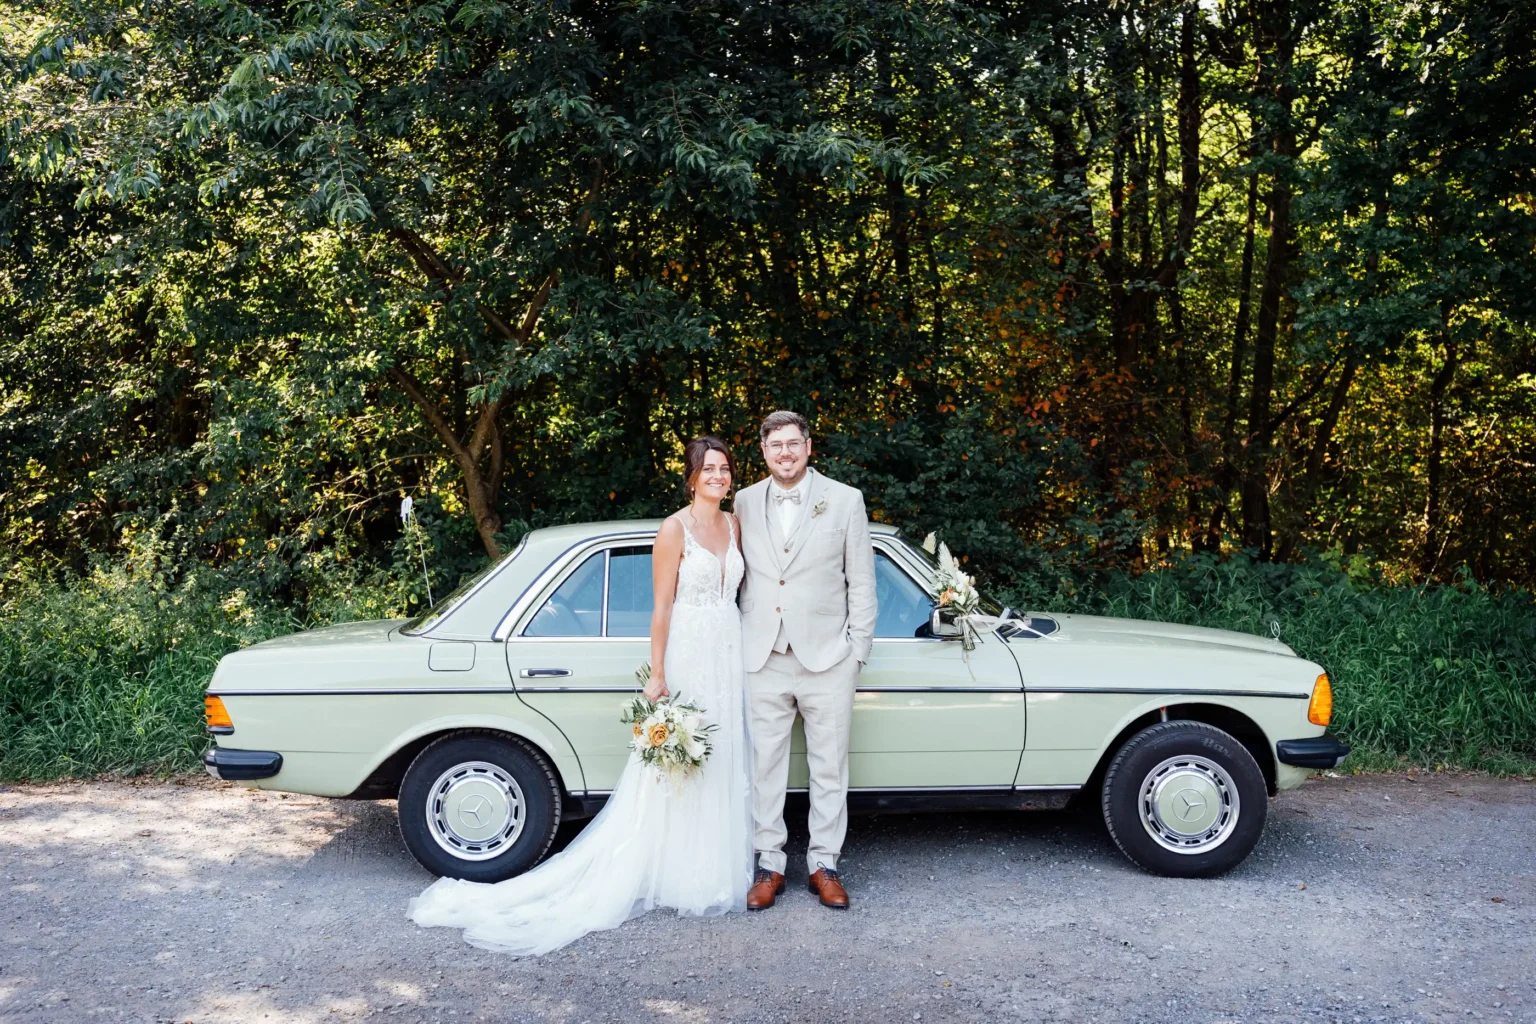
{"x":495,"y":716}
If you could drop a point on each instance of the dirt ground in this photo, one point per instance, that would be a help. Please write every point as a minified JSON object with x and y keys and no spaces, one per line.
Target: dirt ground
{"x":1369,"y":899}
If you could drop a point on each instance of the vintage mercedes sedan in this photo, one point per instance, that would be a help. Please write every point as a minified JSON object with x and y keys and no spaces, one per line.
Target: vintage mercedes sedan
{"x":494,"y":716}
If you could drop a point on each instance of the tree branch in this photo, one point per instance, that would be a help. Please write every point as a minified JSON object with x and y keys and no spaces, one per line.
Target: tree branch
{"x":433,"y":265}
{"x":1301,"y":399}
{"x":430,"y":411}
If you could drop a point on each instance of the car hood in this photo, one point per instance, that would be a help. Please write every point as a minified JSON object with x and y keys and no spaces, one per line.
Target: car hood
{"x":1098,"y":629}
{"x":341,"y":633}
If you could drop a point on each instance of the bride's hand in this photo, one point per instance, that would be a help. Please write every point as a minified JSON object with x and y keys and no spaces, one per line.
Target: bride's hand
{"x":656,"y":688}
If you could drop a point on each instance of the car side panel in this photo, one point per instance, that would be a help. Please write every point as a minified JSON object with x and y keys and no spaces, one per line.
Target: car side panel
{"x":335,"y":720}
{"x":1068,"y":733}
{"x":332,"y":743}
{"x":927,"y":715}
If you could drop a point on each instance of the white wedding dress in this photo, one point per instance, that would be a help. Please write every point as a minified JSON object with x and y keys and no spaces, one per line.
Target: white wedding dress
{"x":656,"y":843}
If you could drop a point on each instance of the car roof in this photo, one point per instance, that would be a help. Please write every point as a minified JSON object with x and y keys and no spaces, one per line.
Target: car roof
{"x":572,"y":533}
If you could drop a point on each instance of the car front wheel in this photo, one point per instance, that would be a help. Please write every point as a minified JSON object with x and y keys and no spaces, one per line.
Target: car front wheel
{"x":479,"y":806}
{"x":1185,"y":799}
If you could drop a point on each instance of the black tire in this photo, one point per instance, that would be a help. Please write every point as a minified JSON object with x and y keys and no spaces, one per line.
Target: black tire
{"x":512,"y":765}
{"x":1245,"y":802}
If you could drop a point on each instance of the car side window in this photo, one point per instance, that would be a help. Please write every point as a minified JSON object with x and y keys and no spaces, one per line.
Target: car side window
{"x":576,"y":608}
{"x":904,"y":607}
{"x":630,"y":597}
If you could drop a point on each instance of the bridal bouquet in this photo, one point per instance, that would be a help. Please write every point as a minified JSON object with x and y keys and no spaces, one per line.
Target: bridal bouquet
{"x":669,"y":734}
{"x":958,"y":599}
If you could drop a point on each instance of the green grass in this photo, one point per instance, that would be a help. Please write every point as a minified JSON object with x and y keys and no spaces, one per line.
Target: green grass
{"x":105,"y":673}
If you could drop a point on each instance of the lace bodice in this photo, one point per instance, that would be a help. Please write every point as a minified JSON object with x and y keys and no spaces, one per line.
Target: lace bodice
{"x":701,"y":579}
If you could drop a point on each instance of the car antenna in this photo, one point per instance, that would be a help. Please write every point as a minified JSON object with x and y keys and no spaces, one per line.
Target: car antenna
{"x":408,"y":518}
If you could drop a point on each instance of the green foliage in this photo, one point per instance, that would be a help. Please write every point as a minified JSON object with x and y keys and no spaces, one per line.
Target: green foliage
{"x":1092,"y":286}
{"x":104,"y":672}
{"x":263,"y":271}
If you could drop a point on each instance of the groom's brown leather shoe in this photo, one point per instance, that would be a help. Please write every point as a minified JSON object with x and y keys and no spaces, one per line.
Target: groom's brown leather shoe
{"x":826,"y":884}
{"x":765,"y":888}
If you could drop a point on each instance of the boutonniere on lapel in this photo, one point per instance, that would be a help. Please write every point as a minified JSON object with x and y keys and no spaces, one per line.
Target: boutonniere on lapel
{"x":818,"y":508}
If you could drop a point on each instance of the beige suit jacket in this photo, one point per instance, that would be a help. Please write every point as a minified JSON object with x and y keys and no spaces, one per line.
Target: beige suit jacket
{"x":819,"y":583}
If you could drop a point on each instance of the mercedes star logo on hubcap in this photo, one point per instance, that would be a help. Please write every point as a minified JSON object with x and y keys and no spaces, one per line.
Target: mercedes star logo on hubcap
{"x":1193,"y":803}
{"x":473,"y":810}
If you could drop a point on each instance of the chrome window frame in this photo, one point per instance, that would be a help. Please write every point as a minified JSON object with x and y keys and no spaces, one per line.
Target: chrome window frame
{"x":516,"y":619}
{"x":602,"y":617}
{"x":512,"y":624}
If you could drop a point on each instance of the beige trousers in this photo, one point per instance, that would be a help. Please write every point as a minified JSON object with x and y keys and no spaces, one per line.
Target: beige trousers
{"x":775,"y":693}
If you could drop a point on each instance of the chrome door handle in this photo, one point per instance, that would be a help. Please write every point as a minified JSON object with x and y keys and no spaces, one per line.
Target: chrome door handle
{"x":543,"y":673}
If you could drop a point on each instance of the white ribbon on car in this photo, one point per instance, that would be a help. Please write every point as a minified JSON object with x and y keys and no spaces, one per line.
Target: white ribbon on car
{"x":974,"y":624}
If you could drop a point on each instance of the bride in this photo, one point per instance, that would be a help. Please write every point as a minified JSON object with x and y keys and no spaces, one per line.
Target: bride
{"x":685,"y":844}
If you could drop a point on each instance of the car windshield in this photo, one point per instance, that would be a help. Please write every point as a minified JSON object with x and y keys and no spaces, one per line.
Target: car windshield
{"x":443,"y":606}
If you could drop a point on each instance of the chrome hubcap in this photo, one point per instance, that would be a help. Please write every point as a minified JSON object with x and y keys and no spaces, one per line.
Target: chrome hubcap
{"x":1189,"y":804}
{"x":476,"y":811}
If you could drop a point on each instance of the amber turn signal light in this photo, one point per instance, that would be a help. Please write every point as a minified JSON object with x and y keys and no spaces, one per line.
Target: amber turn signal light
{"x":217,"y":717}
{"x":1320,"y":710}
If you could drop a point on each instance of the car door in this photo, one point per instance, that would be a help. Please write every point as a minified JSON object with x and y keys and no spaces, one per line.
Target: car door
{"x":926,"y":714}
{"x":574,"y":656}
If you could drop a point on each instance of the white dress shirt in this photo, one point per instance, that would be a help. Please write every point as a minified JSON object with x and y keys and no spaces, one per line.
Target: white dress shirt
{"x":788,"y":511}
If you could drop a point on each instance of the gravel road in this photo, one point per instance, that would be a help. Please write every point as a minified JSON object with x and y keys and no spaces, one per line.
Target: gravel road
{"x":1369,"y":899}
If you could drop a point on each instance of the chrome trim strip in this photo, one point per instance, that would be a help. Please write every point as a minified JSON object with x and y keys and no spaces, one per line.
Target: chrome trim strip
{"x":602,"y":624}
{"x":364,"y":691}
{"x":910,"y":789}
{"x":572,"y":639}
{"x":578,"y":690}
{"x":940,"y":689}
{"x":1002,"y":788}
{"x":1161,"y":692}
{"x":945,"y":789}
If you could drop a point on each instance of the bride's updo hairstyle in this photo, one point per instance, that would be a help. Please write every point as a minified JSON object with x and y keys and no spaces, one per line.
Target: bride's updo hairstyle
{"x":694,"y":454}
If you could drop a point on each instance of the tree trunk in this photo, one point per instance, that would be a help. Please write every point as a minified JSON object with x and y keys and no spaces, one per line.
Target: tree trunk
{"x":481,"y":457}
{"x":1433,"y":511}
{"x":481,"y":485}
{"x":1232,"y":453}
{"x":1312,"y":477}
{"x":1329,"y":422}
{"x":1277,"y":49}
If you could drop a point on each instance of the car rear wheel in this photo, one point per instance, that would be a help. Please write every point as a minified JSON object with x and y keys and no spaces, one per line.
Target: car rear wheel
{"x":1185,"y":799}
{"x":479,"y":806}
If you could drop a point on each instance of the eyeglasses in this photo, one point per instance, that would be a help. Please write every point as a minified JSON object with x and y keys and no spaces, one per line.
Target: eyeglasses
{"x":793,"y":447}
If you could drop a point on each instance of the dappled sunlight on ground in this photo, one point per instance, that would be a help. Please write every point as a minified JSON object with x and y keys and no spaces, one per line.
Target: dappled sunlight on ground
{"x":672,"y":1009}
{"x":241,"y":908}
{"x":167,"y":852}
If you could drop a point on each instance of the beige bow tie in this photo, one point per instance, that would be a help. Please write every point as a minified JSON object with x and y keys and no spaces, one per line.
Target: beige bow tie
{"x":780,"y":497}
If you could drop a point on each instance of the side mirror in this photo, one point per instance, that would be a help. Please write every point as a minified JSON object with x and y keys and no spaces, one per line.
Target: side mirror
{"x":938,"y":625}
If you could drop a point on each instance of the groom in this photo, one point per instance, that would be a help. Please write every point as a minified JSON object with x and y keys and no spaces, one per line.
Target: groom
{"x":808,"y":619}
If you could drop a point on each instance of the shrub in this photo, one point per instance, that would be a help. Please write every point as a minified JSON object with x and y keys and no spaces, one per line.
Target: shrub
{"x":105,"y":673}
